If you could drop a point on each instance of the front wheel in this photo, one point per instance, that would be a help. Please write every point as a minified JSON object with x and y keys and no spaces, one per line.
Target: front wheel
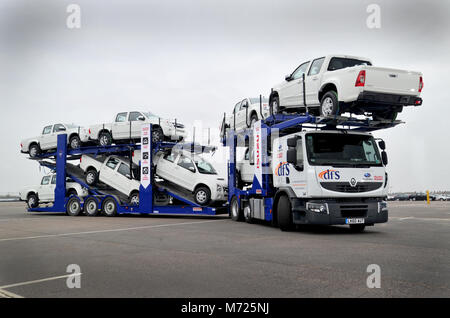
{"x":329,"y":104}
{"x":202,"y":195}
{"x":91,"y":177}
{"x":34,"y":150}
{"x":32,"y":201}
{"x":75,"y":142}
{"x":157,"y":135}
{"x":236,"y":211}
{"x":134,"y":198}
{"x":284,"y":214}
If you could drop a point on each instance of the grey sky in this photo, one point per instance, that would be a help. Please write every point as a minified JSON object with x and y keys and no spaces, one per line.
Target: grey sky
{"x":195,"y":59}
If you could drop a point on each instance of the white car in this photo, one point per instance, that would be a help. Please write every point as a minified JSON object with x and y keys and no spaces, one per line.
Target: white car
{"x":76,"y":135}
{"x":335,"y":84}
{"x":127,"y":126}
{"x":245,"y":169}
{"x":113,"y":171}
{"x":192,"y":172}
{"x":45,"y":192}
{"x":248,"y":111}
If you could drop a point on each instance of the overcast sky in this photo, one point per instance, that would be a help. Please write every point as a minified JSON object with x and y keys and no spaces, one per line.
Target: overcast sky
{"x":193,"y":60}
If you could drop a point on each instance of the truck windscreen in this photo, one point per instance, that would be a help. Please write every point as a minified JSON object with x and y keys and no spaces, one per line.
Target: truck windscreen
{"x":342,"y":150}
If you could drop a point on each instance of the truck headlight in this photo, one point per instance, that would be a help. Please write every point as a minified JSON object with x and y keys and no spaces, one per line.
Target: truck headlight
{"x":382,"y":206}
{"x":317,"y":207}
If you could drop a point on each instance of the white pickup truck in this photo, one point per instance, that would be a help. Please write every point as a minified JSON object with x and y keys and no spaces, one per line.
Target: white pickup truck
{"x":113,"y":171}
{"x":76,"y":135}
{"x":45,"y":192}
{"x":335,"y":84}
{"x":127,"y":125}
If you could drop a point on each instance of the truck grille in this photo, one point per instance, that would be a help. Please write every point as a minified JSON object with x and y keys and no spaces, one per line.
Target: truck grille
{"x":351,"y":211}
{"x":346,"y":187}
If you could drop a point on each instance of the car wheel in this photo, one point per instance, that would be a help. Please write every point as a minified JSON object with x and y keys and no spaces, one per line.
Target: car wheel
{"x":157,"y":135}
{"x":109,"y":207}
{"x":329,"y":104}
{"x":235,"y":210}
{"x":284,"y":214}
{"x":75,"y":142}
{"x":91,"y":177}
{"x":357,"y":228}
{"x":34,"y":150}
{"x":253,"y":120}
{"x":275,"y":104}
{"x":73,"y":207}
{"x":32,"y":201}
{"x":91,"y":206}
{"x":105,"y":139}
{"x":202,"y":195}
{"x":134,"y":198}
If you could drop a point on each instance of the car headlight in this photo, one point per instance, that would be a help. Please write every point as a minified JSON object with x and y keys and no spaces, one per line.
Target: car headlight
{"x":382,"y":206}
{"x":317,"y":207}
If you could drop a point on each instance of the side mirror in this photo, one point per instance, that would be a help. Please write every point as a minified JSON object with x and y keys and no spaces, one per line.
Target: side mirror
{"x":142,"y":118}
{"x":62,"y":129}
{"x":292,"y":142}
{"x":191,"y":169}
{"x":382,"y":145}
{"x":384,"y":158}
{"x":245,"y":105}
{"x":291,"y":156}
{"x":288,"y":77}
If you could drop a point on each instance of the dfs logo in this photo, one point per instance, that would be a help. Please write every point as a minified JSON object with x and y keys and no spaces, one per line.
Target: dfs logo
{"x":282,"y":170}
{"x":329,"y":175}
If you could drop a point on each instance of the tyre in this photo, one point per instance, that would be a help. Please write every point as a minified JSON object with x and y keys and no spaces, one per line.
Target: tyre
{"x":91,"y":206}
{"x":32,"y":201}
{"x":275,"y":105}
{"x":284,"y":214}
{"x":202,"y":195}
{"x":34,"y":150}
{"x":73,"y":207}
{"x":105,"y":138}
{"x":109,"y":207}
{"x":91,"y":177}
{"x":235,"y":210}
{"x":253,"y":120}
{"x":157,"y":135}
{"x":329,"y":104}
{"x":357,"y":228}
{"x":71,"y":192}
{"x":74,"y":142}
{"x":134,"y":198}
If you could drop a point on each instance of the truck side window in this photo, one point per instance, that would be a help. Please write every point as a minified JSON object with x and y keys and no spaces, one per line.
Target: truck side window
{"x":121,"y":117}
{"x":54,"y":179}
{"x":316,"y":66}
{"x":124,"y":170}
{"x":45,"y":180}
{"x":112,"y":163}
{"x":134,"y":116}
{"x":186,"y":163}
{"x":47,"y":130}
{"x":298,"y":73}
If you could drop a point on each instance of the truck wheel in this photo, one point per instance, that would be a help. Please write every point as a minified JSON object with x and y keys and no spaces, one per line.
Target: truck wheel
{"x":109,"y":207}
{"x":329,"y":104}
{"x":284,"y":214}
{"x":75,"y":142}
{"x":202,"y":195}
{"x":357,"y":228}
{"x":275,"y":105}
{"x":91,"y":206}
{"x":105,"y":139}
{"x":32,"y":201}
{"x":253,"y":120}
{"x":134,"y":198}
{"x":157,"y":135}
{"x":235,"y":210}
{"x":91,"y":177}
{"x":73,"y":207}
{"x":34,"y":150}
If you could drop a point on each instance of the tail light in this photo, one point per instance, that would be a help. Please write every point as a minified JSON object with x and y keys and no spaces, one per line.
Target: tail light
{"x":89,"y":131}
{"x":81,"y":159}
{"x":361,"y":79}
{"x":420,"y":84}
{"x":21,"y":146}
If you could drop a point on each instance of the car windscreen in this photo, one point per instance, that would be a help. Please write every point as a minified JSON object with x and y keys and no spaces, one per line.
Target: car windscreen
{"x":204,"y":167}
{"x":337,"y":63}
{"x":342,"y":150}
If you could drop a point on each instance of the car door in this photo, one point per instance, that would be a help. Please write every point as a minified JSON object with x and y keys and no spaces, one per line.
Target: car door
{"x":137,"y":119}
{"x":291,"y":94}
{"x":120,"y":128}
{"x":234,"y":122}
{"x":46,"y":137}
{"x":58,"y":129}
{"x":186,"y":172}
{"x":125,"y":182}
{"x":312,"y":82}
{"x":108,"y":172}
{"x":46,"y":190}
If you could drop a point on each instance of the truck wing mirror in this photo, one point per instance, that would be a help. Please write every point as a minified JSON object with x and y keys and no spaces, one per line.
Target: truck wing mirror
{"x":292,"y":142}
{"x":142,"y":118}
{"x":291,"y":156}
{"x":384,"y":158}
{"x":382,"y":145}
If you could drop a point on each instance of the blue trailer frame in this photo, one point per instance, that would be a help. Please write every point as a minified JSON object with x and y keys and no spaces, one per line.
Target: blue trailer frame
{"x":146,"y":204}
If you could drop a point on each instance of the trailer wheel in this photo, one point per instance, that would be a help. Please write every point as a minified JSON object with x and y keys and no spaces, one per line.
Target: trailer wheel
{"x":91,"y":206}
{"x":202,"y":195}
{"x":329,"y":104}
{"x":235,"y":210}
{"x":91,"y":177}
{"x":105,"y":139}
{"x":284,"y":214}
{"x":73,"y":207}
{"x":109,"y":207}
{"x":75,"y":142}
{"x":34,"y":150}
{"x":32,"y":201}
{"x":357,"y":228}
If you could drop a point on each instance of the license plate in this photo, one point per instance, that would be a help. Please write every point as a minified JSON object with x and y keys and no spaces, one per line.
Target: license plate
{"x":354,"y":221}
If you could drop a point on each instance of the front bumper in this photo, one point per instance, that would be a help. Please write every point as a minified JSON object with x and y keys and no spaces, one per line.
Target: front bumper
{"x":368,"y":97}
{"x":339,"y":211}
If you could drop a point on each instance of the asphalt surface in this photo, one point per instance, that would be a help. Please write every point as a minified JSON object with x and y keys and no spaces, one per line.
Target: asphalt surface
{"x":156,"y":256}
